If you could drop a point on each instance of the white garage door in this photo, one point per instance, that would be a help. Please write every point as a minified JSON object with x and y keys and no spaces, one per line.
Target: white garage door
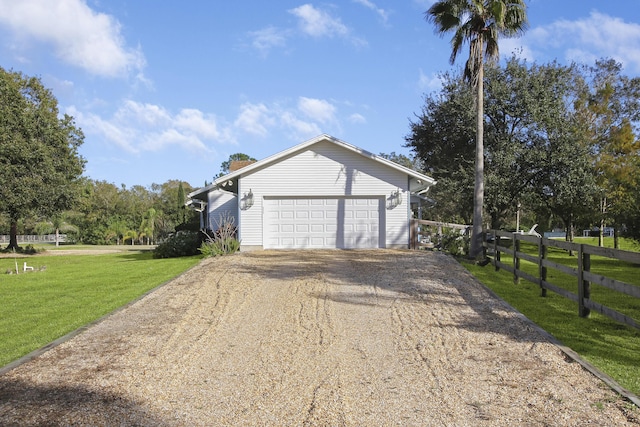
{"x":301,"y":223}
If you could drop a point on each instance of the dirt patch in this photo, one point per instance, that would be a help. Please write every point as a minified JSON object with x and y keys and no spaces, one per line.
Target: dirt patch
{"x":312,"y":338}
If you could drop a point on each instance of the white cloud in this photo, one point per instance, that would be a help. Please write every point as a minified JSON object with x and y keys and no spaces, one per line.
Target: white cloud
{"x":267,"y":38}
{"x":357,"y":118}
{"x":254,"y":119}
{"x":587,"y":39}
{"x":90,"y":123}
{"x":429,"y":83}
{"x":384,"y":15}
{"x":318,"y":23}
{"x":147,"y":115}
{"x":299,"y":129}
{"x":305,"y":118}
{"x":137,"y":127}
{"x":167,"y":137}
{"x":79,"y":35}
{"x":313,"y":22}
{"x":317,"y":109}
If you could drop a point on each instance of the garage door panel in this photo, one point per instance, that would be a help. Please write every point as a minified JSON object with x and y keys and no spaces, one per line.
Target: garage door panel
{"x":322,"y":222}
{"x":362,"y":214}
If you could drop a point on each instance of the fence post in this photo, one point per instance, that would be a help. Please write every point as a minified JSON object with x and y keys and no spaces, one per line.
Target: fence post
{"x":542,"y":270}
{"x":484,"y":242}
{"x":496,"y":252}
{"x":516,"y":260}
{"x":584,"y":287}
{"x":415,"y":239}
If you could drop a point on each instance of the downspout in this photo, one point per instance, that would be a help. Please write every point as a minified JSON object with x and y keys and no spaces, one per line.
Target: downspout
{"x":408,"y":211}
{"x":239,"y":208}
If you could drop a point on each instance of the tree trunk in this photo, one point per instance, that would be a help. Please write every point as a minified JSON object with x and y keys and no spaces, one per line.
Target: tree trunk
{"x":478,"y":189}
{"x":13,"y":236}
{"x":615,"y":238}
{"x":569,"y":231}
{"x":57,"y":237}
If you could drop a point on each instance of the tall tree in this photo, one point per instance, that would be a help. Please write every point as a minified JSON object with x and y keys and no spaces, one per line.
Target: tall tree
{"x":442,"y":138}
{"x":609,"y":107}
{"x":224,"y":166}
{"x":148,"y":225}
{"x":479,"y":23}
{"x":401,"y":159}
{"x":39,"y":158}
{"x":181,"y":199}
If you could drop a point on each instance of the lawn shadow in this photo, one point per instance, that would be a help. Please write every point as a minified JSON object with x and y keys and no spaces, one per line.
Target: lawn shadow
{"x":28,"y":404}
{"x":135,"y":256}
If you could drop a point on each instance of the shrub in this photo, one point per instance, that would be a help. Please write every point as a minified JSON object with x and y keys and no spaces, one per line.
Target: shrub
{"x":26,"y":250}
{"x":455,"y":243}
{"x":223,"y":241}
{"x":182,"y":243}
{"x":217,"y":247}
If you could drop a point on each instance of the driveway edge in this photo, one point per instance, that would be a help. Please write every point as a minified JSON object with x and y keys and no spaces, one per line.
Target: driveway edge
{"x":35,"y":353}
{"x":613,"y":384}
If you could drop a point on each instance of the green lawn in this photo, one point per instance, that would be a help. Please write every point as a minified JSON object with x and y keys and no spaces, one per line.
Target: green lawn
{"x":41,"y":306}
{"x":612,"y":347}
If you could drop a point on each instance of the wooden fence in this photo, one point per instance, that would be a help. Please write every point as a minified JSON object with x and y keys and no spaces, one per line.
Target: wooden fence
{"x":428,"y":234}
{"x":497,"y":242}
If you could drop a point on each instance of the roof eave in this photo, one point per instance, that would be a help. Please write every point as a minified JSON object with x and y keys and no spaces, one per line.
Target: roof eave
{"x":423,"y":181}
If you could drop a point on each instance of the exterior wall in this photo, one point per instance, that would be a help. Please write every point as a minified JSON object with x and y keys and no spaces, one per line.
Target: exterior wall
{"x":325,"y":169}
{"x":221,"y":203}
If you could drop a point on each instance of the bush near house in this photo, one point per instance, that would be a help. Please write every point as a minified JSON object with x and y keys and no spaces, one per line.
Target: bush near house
{"x":182,"y":243}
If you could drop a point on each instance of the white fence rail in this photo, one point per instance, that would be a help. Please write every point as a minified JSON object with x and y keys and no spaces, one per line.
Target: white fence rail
{"x":34,"y":238}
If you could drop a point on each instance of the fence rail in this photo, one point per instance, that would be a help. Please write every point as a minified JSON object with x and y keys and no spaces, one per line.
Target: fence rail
{"x":34,"y":238}
{"x":495,"y":245}
{"x":427,"y":234}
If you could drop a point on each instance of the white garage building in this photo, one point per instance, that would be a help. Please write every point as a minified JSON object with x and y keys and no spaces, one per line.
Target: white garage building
{"x":323,"y":193}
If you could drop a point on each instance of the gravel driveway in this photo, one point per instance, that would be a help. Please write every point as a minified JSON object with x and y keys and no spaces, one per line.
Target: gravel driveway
{"x":339,"y":338}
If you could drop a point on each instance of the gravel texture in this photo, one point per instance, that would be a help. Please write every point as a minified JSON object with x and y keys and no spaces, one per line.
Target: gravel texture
{"x":339,"y":338}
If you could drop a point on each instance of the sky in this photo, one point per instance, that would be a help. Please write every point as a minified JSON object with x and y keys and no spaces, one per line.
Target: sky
{"x":169,"y":90}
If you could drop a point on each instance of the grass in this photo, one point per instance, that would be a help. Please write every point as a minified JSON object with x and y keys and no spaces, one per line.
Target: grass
{"x":612,"y":347}
{"x":41,"y":306}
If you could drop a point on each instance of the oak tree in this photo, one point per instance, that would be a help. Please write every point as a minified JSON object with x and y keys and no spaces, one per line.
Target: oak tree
{"x":40,"y":166}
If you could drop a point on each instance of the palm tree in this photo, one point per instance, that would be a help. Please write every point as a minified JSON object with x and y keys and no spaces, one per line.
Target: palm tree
{"x":130,"y":234}
{"x":478,"y":23}
{"x":147,"y":227}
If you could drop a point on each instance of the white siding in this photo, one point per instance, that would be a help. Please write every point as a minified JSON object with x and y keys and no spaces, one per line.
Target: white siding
{"x":221,"y":203}
{"x":325,"y":169}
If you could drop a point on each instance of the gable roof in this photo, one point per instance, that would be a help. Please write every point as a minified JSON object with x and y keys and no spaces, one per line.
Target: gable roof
{"x":420,"y":182}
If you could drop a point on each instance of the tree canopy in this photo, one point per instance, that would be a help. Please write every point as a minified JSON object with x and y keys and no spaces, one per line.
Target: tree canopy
{"x":40,"y":163}
{"x":547,"y":147}
{"x":224,"y":167}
